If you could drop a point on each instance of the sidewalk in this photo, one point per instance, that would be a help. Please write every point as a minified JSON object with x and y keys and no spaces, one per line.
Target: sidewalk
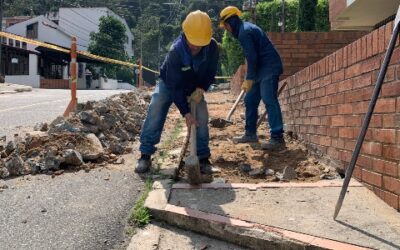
{"x":279,"y":215}
{"x":9,"y":88}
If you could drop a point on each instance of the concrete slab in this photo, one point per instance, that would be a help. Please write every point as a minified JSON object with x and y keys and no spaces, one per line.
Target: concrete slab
{"x":363,"y":221}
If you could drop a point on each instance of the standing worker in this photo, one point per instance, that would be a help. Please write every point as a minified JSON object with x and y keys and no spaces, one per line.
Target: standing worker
{"x":264,"y":66}
{"x":187,"y":72}
{"x":88,"y":76}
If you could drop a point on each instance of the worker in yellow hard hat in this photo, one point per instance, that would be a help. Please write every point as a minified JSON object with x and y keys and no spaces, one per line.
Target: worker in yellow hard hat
{"x":187,"y":72}
{"x":264,"y":66}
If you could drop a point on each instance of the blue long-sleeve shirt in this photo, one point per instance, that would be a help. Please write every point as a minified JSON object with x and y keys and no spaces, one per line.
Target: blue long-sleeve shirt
{"x":183,"y":73}
{"x":261,"y":55}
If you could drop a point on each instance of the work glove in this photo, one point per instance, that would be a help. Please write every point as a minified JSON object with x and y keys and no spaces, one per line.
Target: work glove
{"x":190,"y":121}
{"x":247,"y":84}
{"x":196,"y":95}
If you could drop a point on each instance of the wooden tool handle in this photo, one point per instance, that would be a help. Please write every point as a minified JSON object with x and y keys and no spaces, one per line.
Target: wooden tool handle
{"x":228,"y":118}
{"x":193,"y":131}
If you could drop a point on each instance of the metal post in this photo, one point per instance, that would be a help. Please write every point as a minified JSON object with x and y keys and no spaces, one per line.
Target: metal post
{"x":74,"y":99}
{"x":367,"y":119}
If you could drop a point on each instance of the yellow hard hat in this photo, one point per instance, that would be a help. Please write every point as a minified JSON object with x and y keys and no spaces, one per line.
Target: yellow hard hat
{"x":227,"y":13}
{"x":197,"y":28}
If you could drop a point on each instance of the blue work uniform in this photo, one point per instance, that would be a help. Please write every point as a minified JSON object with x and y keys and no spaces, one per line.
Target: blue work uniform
{"x":180,"y":74}
{"x":264,"y":66}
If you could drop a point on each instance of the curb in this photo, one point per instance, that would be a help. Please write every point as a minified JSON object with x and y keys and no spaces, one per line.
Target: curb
{"x":251,"y":235}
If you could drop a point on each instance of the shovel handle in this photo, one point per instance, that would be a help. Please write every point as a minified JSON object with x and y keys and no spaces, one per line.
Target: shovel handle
{"x":193,"y":131}
{"x":228,"y":118}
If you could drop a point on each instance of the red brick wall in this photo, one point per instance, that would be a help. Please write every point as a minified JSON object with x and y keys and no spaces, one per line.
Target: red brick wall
{"x":335,"y":8}
{"x":324,"y":104}
{"x":54,"y":84}
{"x":301,"y":49}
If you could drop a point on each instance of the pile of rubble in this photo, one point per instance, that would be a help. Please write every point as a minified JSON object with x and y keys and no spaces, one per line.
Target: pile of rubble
{"x":97,"y":132}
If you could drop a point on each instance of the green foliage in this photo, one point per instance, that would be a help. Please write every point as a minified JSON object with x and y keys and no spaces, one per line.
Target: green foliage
{"x":109,"y":42}
{"x":140,"y":215}
{"x":269,"y":15}
{"x":307,"y":13}
{"x":322,"y":16}
{"x":232,"y":54}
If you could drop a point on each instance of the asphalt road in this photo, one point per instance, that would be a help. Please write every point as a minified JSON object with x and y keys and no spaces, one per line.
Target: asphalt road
{"x":71,"y":211}
{"x":22,"y":110}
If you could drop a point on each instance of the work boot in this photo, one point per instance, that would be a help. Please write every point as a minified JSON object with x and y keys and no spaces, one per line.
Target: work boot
{"x":206,"y":166}
{"x":246,"y":138}
{"x":144,"y":164}
{"x":275,"y":143}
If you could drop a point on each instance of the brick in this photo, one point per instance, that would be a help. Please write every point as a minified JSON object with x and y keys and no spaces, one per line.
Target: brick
{"x":332,"y":88}
{"x":362,"y":81}
{"x":349,"y":145}
{"x":387,"y":105}
{"x":375,"y":42}
{"x":391,"y":152}
{"x":345,"y":85}
{"x":365,"y":161}
{"x":390,"y":74}
{"x":337,"y":121}
{"x":390,"y":198}
{"x":332,"y":110}
{"x":386,"y":167}
{"x":332,"y":132}
{"x":360,"y":107}
{"x":359,"y":94}
{"x":369,"y":45}
{"x":363,"y":48}
{"x":357,"y":173}
{"x":391,"y":184}
{"x":371,"y":178}
{"x":320,"y":92}
{"x":384,"y":135}
{"x":352,"y":121}
{"x":339,"y":98}
{"x":381,"y":37}
{"x":372,"y":148}
{"x":398,"y":105}
{"x":358,"y":47}
{"x":391,"y":89}
{"x":346,"y":133}
{"x":376,"y":121}
{"x":352,"y":71}
{"x":369,"y":65}
{"x":338,"y":76}
{"x":345,"y":155}
{"x":346,"y":108}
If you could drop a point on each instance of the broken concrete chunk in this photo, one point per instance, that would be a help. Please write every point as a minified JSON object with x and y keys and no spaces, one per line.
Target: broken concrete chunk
{"x":72,"y":157}
{"x":41,"y":126}
{"x":15,"y":165}
{"x":10,"y":147}
{"x":256,"y":172}
{"x":89,"y":116}
{"x":90,"y":148}
{"x":245,"y":168}
{"x":289,"y":173}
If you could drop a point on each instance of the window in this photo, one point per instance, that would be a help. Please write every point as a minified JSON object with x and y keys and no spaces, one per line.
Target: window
{"x":32,"y":31}
{"x":17,"y":62}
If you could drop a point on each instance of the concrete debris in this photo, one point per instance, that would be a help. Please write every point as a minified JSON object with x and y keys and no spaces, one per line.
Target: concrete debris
{"x":256,"y":172}
{"x":269,"y":172}
{"x":15,"y":165}
{"x":41,"y":126}
{"x":289,"y":173}
{"x":245,"y":168}
{"x":94,"y":132}
{"x":72,"y":157}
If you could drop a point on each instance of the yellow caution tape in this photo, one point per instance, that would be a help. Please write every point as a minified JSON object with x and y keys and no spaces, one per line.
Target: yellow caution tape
{"x":84,"y":53}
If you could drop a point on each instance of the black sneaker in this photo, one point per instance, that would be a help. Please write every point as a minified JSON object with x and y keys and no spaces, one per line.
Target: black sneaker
{"x":144,"y":164}
{"x":206,"y":166}
{"x":275,"y":143}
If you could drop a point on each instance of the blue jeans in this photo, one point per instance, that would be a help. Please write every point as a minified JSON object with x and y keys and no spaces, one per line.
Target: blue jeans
{"x":267,"y":90}
{"x":153,"y":125}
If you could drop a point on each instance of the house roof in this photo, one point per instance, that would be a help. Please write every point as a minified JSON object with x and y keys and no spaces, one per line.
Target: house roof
{"x":62,"y":57}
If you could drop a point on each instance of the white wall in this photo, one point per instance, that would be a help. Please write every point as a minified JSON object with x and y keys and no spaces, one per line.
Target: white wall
{"x":110,"y":84}
{"x":125,"y":85}
{"x":82,"y":21}
{"x":47,"y":31}
{"x":33,"y":81}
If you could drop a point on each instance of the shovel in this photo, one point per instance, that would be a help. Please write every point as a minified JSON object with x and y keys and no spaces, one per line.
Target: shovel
{"x":192,"y":164}
{"x":221,"y":123}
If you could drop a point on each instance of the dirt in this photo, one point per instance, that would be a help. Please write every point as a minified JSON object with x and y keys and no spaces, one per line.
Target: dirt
{"x":231,"y":158}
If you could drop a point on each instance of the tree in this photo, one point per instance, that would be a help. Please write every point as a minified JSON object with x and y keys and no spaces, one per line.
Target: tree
{"x":307,"y":13}
{"x":109,"y":42}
